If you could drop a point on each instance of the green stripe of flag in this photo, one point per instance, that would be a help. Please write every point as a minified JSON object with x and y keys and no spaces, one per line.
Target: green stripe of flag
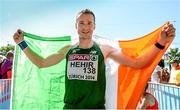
{"x":35,"y":88}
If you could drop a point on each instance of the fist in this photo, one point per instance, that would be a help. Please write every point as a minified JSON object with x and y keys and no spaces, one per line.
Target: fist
{"x":168,"y":33}
{"x":18,"y":36}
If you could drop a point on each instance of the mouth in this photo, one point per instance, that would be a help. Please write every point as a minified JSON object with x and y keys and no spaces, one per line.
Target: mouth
{"x":85,"y":32}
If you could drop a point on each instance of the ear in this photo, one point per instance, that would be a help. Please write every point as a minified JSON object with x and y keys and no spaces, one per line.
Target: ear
{"x":94,"y":26}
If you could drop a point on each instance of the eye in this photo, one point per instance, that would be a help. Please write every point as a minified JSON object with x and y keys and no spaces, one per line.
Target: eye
{"x":81,"y":22}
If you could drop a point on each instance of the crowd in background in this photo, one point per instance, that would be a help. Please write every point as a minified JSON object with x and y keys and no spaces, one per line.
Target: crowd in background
{"x":167,"y":71}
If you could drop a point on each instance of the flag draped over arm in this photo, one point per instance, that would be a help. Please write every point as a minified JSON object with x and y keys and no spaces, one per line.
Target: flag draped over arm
{"x":131,"y":82}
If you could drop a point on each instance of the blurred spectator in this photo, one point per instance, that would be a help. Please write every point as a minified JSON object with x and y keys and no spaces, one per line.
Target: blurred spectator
{"x":1,"y":61}
{"x":178,"y":79}
{"x":6,"y":65}
{"x":156,"y":75}
{"x":165,"y":76}
{"x":166,"y":62}
{"x":9,"y":74}
{"x":174,"y":71}
{"x":147,"y":101}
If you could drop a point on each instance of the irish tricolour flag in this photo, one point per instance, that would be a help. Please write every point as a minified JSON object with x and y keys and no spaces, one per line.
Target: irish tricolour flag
{"x":35,"y":88}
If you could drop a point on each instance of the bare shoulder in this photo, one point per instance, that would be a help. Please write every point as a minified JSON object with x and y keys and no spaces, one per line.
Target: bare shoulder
{"x":110,"y":45}
{"x":66,"y":48}
{"x":106,"y":47}
{"x":106,"y":50}
{"x":72,"y":44}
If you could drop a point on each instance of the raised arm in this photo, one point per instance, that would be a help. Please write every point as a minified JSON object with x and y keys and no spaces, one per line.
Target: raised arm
{"x":167,"y":34}
{"x":35,"y":58}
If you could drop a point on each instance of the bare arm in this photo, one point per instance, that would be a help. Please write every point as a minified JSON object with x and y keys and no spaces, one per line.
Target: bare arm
{"x":167,"y":35}
{"x":46,"y":62}
{"x":38,"y":60}
{"x":137,"y":62}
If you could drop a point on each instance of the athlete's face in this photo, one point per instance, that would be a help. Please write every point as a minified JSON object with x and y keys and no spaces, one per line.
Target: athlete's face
{"x":85,"y":26}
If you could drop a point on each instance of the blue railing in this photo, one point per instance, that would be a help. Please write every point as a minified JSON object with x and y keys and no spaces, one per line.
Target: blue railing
{"x":5,"y":93}
{"x":168,"y":96}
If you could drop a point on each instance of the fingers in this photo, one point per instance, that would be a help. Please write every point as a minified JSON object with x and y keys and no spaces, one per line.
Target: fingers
{"x":173,"y":30}
{"x":19,"y":31}
{"x":170,"y":30}
{"x":168,"y":26}
{"x":172,"y":34}
{"x":18,"y":34}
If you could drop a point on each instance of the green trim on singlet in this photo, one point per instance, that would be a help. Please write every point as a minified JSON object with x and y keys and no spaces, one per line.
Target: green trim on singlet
{"x":83,"y":93}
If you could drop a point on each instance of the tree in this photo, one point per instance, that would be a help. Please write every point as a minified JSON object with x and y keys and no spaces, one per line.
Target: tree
{"x":5,"y":49}
{"x":174,"y":54}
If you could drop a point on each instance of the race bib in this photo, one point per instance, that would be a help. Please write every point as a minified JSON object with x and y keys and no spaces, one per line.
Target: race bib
{"x":82,"y":67}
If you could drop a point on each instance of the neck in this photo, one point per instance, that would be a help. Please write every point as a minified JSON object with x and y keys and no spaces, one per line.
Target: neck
{"x":85,"y":43}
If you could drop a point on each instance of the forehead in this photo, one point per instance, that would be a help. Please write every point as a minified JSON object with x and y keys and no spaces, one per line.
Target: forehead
{"x":9,"y":54}
{"x":85,"y":17}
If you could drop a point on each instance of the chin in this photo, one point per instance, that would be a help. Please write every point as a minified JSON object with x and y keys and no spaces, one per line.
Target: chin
{"x":86,"y":36}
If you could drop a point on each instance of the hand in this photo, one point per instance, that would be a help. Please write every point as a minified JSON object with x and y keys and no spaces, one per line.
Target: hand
{"x":18,"y":36}
{"x":167,"y":34}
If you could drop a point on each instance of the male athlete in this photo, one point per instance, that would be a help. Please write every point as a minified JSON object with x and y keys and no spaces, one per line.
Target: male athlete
{"x":85,"y":62}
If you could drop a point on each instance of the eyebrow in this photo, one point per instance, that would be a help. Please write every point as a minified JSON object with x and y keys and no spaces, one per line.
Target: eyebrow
{"x":87,"y":21}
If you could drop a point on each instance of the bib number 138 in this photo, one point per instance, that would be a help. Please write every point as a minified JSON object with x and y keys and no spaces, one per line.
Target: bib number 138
{"x":89,"y":70}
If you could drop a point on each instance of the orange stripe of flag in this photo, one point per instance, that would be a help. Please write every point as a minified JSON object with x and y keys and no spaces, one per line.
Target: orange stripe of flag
{"x":131,"y":82}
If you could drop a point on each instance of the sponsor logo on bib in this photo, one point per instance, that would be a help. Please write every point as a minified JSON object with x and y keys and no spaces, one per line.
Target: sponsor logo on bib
{"x":82,"y":67}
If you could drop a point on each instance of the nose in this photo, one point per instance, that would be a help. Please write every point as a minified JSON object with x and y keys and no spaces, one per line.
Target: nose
{"x":86,"y":26}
